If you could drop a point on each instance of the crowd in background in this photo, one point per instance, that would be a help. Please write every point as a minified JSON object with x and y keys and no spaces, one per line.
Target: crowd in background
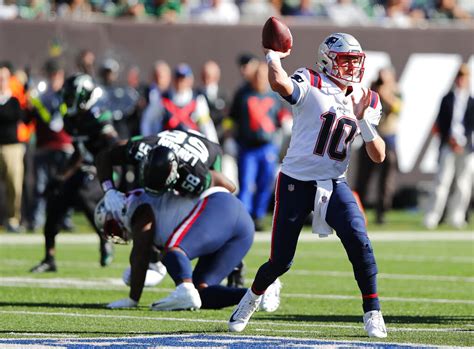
{"x":31,"y":120}
{"x":400,"y":13}
{"x":252,"y":125}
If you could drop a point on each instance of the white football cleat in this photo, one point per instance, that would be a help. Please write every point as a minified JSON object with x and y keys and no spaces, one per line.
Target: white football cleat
{"x":185,"y":297}
{"x":244,"y":310}
{"x":154,"y":275}
{"x":374,"y":324}
{"x":271,"y":298}
{"x":123,"y":304}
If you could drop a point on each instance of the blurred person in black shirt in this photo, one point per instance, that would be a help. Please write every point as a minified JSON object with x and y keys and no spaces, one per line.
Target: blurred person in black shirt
{"x":92,"y":131}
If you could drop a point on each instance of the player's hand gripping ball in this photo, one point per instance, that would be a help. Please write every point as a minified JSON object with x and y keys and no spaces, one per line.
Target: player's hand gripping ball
{"x":276,"y":35}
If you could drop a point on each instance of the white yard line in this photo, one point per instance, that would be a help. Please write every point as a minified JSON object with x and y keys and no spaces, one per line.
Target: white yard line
{"x":39,"y":334}
{"x":111,"y":284}
{"x":387,"y":276}
{"x":220,"y":321}
{"x":264,"y":251}
{"x":384,"y":299}
{"x":26,"y":239}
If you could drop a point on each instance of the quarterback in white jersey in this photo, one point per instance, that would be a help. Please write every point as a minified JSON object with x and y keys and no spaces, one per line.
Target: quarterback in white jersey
{"x":324,"y":126}
{"x":329,"y":111}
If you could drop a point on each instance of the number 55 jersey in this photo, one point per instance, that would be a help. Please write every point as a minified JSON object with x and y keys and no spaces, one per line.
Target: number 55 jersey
{"x":197,"y":155}
{"x":324,"y":126}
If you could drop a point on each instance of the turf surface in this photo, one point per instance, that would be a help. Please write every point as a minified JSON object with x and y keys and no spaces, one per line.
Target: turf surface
{"x":426,"y":289}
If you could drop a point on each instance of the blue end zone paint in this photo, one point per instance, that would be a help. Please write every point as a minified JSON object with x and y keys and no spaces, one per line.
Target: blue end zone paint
{"x":201,"y":341}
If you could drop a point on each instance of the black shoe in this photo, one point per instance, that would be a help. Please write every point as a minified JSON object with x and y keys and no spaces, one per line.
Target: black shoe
{"x":44,"y":266}
{"x":380,"y":219}
{"x":258,"y":225}
{"x":13,"y":228}
{"x":236,"y":277}
{"x":106,"y":253}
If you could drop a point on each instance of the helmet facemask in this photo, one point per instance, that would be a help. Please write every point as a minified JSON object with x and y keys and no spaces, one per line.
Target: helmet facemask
{"x":352,"y":65}
{"x":340,"y":56}
{"x":110,"y":229}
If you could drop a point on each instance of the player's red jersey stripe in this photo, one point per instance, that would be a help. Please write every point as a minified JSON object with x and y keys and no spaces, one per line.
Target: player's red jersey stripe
{"x":374,"y":99}
{"x":370,"y":296}
{"x":184,"y":227}
{"x":275,"y":211}
{"x":315,"y":78}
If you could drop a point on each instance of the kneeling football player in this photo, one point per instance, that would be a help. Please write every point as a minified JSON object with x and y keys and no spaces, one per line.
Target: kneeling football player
{"x":213,"y":227}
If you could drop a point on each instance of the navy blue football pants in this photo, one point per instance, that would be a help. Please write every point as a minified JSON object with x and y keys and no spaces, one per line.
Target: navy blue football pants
{"x":220,"y":236}
{"x":294,"y":200}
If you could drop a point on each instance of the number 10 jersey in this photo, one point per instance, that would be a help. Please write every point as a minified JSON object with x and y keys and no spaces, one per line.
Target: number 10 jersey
{"x":324,"y":126}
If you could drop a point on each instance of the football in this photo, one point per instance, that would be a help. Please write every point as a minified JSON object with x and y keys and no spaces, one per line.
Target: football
{"x":276,"y":35}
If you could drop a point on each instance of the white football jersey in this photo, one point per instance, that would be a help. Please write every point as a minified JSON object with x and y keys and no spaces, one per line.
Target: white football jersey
{"x":169,"y":210}
{"x":324,"y":127}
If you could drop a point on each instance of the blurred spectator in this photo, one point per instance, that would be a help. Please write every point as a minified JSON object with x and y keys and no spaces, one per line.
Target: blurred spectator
{"x":247,"y":63}
{"x":74,"y":9}
{"x":134,"y":82}
{"x":218,"y":101}
{"x":400,"y":13}
{"x":53,"y":144}
{"x":152,"y":115}
{"x":120,"y":100}
{"x":346,"y":12}
{"x":129,"y":8}
{"x":85,"y":62}
{"x":35,"y":9}
{"x":217,"y":12}
{"x":184,"y":108}
{"x":447,"y":10}
{"x":255,"y":111}
{"x":8,"y":10}
{"x":216,"y":97}
{"x":133,"y":77}
{"x":455,"y":127}
{"x":12,"y":150}
{"x":300,"y":8}
{"x":166,"y":10}
{"x":387,"y":88}
{"x":259,"y":10}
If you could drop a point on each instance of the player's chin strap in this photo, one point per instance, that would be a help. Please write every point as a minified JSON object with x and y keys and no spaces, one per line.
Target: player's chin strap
{"x":212,"y":190}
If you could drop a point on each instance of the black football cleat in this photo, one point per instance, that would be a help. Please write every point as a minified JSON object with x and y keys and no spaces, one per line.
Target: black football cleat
{"x":236,"y":277}
{"x":44,"y":266}
{"x":106,"y":253}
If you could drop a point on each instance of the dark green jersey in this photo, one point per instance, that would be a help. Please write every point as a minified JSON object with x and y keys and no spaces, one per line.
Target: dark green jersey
{"x":88,"y":130}
{"x":196,"y":153}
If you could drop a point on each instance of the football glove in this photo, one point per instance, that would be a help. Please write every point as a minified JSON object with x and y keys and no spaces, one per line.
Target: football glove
{"x":122,"y":304}
{"x":114,"y":202}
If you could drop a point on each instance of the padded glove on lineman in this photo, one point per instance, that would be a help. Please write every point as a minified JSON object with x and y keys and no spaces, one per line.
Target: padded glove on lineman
{"x":114,"y":202}
{"x":123,"y":303}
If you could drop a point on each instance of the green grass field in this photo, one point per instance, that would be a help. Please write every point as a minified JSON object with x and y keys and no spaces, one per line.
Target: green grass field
{"x":426,"y":288}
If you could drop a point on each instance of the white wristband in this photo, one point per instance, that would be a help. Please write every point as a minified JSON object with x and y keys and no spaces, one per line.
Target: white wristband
{"x":368,"y":132}
{"x":272,"y":56}
{"x":107,"y":185}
